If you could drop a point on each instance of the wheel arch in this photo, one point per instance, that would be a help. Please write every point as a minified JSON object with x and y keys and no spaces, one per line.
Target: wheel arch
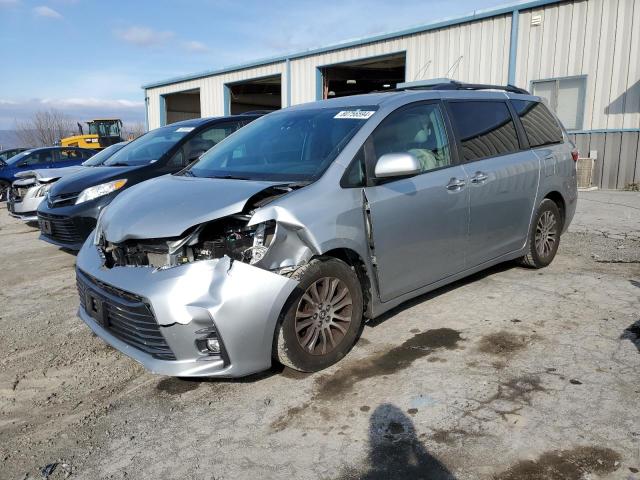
{"x":557,"y":198}
{"x":353,"y":259}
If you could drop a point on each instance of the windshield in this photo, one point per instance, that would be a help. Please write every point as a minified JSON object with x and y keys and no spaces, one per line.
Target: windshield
{"x":290,"y":145}
{"x":105,"y":128}
{"x":149,"y":147}
{"x":100,"y":157}
{"x":18,"y":157}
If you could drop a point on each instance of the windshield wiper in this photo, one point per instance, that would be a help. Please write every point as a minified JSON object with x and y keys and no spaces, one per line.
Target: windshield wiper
{"x":231,"y":177}
{"x":119,"y":164}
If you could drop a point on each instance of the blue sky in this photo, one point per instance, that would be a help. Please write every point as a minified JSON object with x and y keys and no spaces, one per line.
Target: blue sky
{"x":89,"y":57}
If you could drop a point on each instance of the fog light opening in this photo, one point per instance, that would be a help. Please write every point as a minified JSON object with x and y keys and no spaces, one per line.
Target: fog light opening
{"x":213,"y":345}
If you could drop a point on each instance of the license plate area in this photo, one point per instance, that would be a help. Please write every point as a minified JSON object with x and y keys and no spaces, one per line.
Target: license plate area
{"x":95,"y":307}
{"x":45,"y":226}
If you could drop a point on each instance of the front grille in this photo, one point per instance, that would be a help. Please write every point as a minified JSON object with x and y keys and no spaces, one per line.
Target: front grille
{"x":126,"y":316}
{"x":62,"y":229}
{"x":63,"y":200}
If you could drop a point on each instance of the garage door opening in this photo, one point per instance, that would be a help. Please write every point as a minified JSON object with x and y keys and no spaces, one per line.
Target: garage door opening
{"x":182,"y":106}
{"x":258,"y":94}
{"x":363,"y":76}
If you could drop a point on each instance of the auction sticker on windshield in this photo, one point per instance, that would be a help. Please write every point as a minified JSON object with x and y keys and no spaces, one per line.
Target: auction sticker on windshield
{"x":185,"y":129}
{"x":355,"y":114}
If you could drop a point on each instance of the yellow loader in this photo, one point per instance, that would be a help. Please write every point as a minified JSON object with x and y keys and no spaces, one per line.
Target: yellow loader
{"x":103,"y":132}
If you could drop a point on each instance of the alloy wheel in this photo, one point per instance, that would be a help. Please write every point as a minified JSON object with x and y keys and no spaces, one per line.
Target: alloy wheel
{"x":323,"y":315}
{"x":546,"y":234}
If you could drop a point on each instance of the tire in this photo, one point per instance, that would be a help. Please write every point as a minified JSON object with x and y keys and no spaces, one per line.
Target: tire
{"x":319,"y":304}
{"x":4,"y":190}
{"x":544,"y":237}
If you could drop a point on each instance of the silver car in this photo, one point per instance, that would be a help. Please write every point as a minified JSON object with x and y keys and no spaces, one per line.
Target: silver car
{"x":279,"y":242}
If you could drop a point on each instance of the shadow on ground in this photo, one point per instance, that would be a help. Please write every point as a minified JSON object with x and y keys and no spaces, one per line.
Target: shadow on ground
{"x":632,"y":333}
{"x":395,"y":451}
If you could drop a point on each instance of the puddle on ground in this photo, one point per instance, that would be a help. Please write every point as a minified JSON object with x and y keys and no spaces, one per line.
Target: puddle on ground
{"x":176,"y":386}
{"x":502,"y":343}
{"x":449,"y":437}
{"x":519,"y":389}
{"x":572,"y":464}
{"x":283,"y":422}
{"x":330,"y":387}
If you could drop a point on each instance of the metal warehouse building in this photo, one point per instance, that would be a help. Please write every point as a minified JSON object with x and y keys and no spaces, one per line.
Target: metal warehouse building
{"x":583,"y":56}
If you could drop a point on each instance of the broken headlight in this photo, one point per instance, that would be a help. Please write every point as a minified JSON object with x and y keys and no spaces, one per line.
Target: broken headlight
{"x":43,"y":190}
{"x":235,"y":240}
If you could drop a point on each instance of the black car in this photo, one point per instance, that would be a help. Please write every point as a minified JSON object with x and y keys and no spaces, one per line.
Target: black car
{"x":73,"y":204}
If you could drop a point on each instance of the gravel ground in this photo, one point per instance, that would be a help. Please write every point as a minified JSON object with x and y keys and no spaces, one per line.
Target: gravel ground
{"x":510,"y":374}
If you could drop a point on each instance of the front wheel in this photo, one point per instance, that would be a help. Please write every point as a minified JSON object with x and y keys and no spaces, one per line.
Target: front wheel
{"x":544,"y":237}
{"x":322,"y":317}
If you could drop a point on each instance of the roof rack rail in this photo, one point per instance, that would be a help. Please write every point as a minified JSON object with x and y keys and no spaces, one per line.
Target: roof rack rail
{"x":446,"y":84}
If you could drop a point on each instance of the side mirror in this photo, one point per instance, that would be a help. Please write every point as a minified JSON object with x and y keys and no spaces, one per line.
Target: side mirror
{"x":397,"y":165}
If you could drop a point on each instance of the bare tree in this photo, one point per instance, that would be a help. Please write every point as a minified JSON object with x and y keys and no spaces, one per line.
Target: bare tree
{"x":131,"y":131}
{"x":45,"y":128}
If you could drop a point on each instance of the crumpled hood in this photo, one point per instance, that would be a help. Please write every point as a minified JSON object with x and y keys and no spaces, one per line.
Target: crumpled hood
{"x":167,"y":206}
{"x":48,"y":174}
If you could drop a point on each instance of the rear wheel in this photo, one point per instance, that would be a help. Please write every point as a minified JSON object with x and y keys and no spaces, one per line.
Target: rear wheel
{"x":4,"y":190}
{"x":322,"y":317}
{"x":544,"y":237}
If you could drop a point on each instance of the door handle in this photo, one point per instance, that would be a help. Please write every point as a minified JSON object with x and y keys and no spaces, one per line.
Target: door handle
{"x":455,"y":184}
{"x":550,"y":157}
{"x":479,"y":177}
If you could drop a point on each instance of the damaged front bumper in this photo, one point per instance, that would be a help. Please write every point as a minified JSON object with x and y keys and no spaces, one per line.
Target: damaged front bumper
{"x":22,"y":202}
{"x":159,"y":317}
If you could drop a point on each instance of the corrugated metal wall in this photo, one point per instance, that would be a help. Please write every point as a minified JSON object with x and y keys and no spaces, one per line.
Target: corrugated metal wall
{"x":483,"y":46}
{"x":211,"y":90}
{"x":618,"y":157}
{"x":596,"y":38}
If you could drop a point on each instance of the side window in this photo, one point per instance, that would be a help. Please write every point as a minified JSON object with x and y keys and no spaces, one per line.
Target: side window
{"x":41,"y":157}
{"x":418,"y":130}
{"x":201,"y":142}
{"x":539,"y":125}
{"x":486,"y":129}
{"x":69,"y":154}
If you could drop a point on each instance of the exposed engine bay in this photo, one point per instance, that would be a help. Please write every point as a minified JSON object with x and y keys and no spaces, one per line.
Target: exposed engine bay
{"x":228,"y":236}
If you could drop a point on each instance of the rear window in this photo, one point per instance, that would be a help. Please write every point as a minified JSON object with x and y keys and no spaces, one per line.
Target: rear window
{"x":539,"y":124}
{"x":486,"y":129}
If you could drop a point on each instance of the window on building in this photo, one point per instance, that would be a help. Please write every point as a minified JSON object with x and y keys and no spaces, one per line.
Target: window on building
{"x":486,"y":129}
{"x":539,"y":125}
{"x":566,"y":97}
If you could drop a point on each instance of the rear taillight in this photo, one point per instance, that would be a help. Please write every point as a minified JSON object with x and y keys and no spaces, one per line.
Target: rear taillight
{"x":575,"y":154}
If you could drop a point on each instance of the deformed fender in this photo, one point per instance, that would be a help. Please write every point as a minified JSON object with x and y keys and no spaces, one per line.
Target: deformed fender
{"x":292,"y":244}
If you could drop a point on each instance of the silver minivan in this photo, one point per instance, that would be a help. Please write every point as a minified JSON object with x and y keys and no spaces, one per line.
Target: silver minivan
{"x":279,"y":242}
